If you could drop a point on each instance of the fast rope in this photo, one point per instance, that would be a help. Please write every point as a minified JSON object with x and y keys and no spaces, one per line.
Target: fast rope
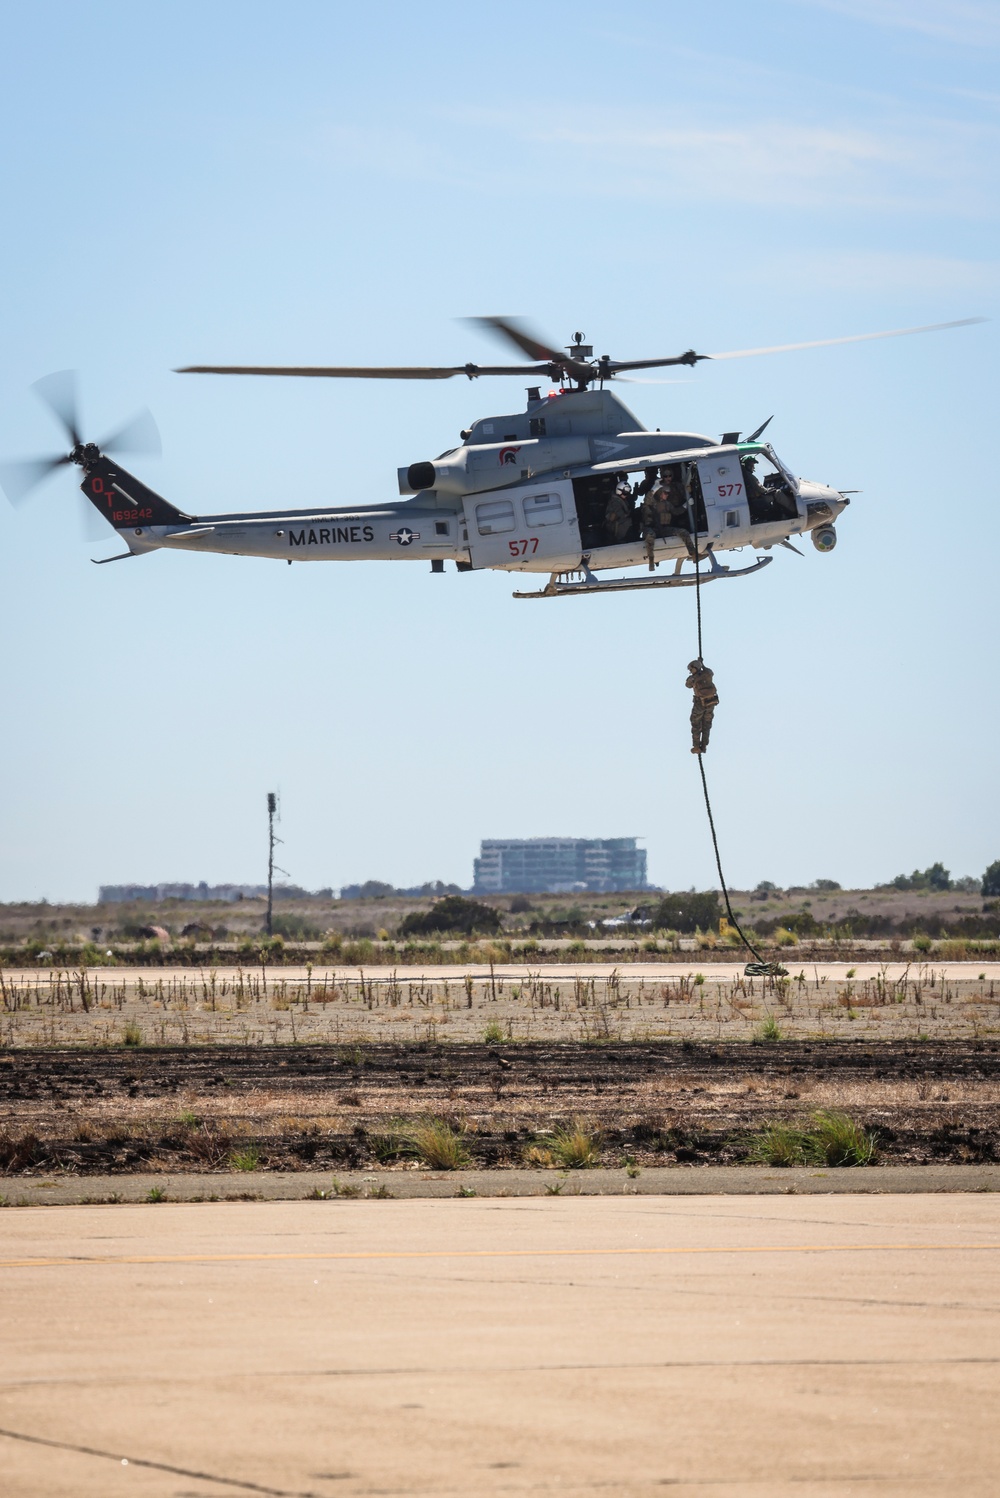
{"x":761,"y":964}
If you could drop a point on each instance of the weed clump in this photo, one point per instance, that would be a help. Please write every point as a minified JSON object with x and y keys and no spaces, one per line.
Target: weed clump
{"x":838,"y":1140}
{"x":768,"y":1030}
{"x":831,"y":1138}
{"x":576,"y":1147}
{"x":778,"y":1144}
{"x":537,"y":1155}
{"x":494,"y":1033}
{"x":247,"y":1158}
{"x":437,"y":1145}
{"x":131,"y":1034}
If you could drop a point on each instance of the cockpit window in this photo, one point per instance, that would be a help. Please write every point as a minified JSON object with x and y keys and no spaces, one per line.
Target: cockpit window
{"x":769,"y":496}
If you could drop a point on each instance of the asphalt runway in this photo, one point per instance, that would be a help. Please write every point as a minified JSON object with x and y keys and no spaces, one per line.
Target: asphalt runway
{"x":760,"y":1346}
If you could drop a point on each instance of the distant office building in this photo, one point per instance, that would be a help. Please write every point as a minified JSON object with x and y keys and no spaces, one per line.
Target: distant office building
{"x":558,"y":865}
{"x":120,"y":894}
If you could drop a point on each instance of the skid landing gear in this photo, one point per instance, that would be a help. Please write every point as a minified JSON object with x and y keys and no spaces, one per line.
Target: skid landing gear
{"x":561,"y":584}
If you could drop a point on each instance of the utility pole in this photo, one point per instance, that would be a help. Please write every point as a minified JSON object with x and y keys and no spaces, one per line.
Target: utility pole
{"x":272,"y":808}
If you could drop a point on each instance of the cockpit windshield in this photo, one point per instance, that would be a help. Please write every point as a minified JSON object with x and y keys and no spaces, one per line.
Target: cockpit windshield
{"x":769,"y":495}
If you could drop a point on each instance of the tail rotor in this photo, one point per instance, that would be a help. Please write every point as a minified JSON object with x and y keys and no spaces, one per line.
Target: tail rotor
{"x":58,"y":391}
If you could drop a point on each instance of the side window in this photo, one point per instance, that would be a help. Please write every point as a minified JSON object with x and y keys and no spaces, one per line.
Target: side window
{"x":543,"y":509}
{"x":494,"y":517}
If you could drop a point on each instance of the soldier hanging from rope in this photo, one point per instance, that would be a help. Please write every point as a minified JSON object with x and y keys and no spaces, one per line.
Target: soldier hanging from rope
{"x":706,"y":700}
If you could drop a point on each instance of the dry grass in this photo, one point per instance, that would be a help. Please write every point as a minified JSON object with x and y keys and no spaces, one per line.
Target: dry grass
{"x":830,"y":1138}
{"x":437,"y":1145}
{"x":577,"y":1146}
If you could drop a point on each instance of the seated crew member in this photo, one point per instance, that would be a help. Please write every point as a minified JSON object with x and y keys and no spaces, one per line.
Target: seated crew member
{"x":756,"y":495}
{"x":669,"y":513}
{"x":619,"y":513}
{"x":772,"y":500}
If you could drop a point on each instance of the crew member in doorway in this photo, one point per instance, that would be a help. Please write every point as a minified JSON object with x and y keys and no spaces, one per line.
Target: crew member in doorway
{"x":706,"y":700}
{"x":681,"y":508}
{"x":665,"y":514}
{"x":619,"y":513}
{"x":648,"y":483}
{"x":655,"y":519}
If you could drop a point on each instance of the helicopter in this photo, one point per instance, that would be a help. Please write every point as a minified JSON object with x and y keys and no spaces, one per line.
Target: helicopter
{"x":524,"y":493}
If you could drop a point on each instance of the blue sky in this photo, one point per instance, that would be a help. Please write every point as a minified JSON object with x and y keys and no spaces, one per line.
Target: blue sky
{"x":333,"y":183}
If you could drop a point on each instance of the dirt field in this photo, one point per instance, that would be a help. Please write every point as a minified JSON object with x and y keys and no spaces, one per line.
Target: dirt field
{"x":123,"y":1070}
{"x":651,"y":1001}
{"x":312,"y":1107}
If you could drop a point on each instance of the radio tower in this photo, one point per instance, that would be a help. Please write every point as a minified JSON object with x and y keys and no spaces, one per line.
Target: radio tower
{"x":272,"y":811}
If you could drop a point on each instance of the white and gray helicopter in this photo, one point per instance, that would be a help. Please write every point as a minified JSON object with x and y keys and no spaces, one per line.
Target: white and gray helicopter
{"x":529,"y":492}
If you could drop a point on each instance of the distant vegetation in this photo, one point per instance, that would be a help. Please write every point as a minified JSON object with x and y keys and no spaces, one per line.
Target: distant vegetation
{"x":688,"y":912}
{"x":936,"y":877}
{"x":374,"y":889}
{"x":453,"y":914}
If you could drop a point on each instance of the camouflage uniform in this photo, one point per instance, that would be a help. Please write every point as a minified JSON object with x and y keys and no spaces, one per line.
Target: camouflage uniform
{"x":655,"y":519}
{"x":656,"y":511}
{"x":706,"y":700}
{"x":619,"y":513}
{"x":665,"y":514}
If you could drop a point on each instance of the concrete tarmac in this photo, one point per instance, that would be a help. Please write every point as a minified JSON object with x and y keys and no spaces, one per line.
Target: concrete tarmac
{"x":652,"y":1180}
{"x":728,"y":1345}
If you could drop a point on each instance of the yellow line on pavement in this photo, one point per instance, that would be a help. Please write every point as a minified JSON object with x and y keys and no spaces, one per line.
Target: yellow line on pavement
{"x":485,"y":1253}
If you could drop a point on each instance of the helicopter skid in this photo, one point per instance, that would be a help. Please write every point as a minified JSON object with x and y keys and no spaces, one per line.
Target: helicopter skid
{"x":555,"y":588}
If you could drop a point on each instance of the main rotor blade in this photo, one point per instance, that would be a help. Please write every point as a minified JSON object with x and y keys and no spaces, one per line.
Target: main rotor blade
{"x":514,"y":330}
{"x":367,"y":372}
{"x":18,"y":479}
{"x":58,"y":391}
{"x":785,"y":348}
{"x":689,"y":358}
{"x":140,"y":435}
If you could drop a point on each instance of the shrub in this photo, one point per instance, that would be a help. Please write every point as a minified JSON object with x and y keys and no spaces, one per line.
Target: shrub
{"x":295,"y":927}
{"x":131,"y":1034}
{"x":991,"y":880}
{"x":768,"y":1030}
{"x":687,"y":911}
{"x":453,"y":913}
{"x":785,"y":938}
{"x":922,"y":942}
{"x":576,"y":1147}
{"x":936,"y":877}
{"x":493,"y":1034}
